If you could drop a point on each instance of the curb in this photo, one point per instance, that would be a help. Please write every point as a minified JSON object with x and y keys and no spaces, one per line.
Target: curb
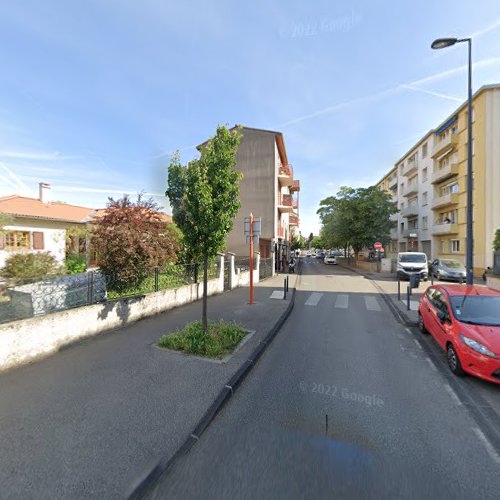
{"x":400,"y":316}
{"x":144,"y":487}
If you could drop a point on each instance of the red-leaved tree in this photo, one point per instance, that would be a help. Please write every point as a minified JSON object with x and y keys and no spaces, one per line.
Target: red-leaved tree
{"x":131,"y":239}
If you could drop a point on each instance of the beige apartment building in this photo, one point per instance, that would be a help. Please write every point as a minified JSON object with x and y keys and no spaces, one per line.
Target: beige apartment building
{"x":429,"y":185}
{"x":268,"y":190}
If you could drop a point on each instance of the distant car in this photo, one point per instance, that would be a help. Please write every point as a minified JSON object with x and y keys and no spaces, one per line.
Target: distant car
{"x":330,"y":259}
{"x":465,"y":321}
{"x":320,"y":255}
{"x":448,"y":269}
{"x":308,"y":254}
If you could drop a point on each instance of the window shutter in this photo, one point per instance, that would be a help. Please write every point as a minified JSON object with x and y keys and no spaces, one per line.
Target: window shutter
{"x":37,"y":240}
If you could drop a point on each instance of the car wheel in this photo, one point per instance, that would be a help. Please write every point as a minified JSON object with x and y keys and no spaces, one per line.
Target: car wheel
{"x":454,"y":362}
{"x":421,"y":325}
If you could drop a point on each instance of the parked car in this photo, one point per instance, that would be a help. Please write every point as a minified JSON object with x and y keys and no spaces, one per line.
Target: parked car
{"x":330,"y":258}
{"x":320,"y":255}
{"x":465,"y":322}
{"x":448,"y":269}
{"x":309,"y":254}
{"x":410,"y":263}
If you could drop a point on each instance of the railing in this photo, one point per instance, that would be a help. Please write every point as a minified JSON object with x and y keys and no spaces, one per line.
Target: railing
{"x":293,"y":220}
{"x":440,"y":146}
{"x":285,"y":170}
{"x":295,"y":185}
{"x":49,"y":294}
{"x":285,"y":200}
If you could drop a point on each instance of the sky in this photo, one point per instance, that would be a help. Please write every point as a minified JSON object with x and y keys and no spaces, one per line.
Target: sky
{"x":96,"y":95}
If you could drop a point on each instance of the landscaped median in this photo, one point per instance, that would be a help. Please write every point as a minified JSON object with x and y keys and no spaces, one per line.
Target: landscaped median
{"x":220,"y":339}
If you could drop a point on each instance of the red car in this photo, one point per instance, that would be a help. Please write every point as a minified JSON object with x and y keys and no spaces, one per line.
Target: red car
{"x":465,"y":321}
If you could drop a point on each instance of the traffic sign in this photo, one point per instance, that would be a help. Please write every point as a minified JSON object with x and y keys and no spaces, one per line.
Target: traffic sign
{"x":377,"y":246}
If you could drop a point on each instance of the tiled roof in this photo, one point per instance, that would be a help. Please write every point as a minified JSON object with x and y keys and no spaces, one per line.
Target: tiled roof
{"x":23,"y":206}
{"x":101,"y":211}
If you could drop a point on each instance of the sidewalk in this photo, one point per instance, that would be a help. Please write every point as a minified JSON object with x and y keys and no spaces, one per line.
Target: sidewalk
{"x":94,"y":419}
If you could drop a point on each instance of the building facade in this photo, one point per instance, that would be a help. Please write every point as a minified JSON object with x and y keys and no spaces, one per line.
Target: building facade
{"x":429,"y":185}
{"x":268,"y":190}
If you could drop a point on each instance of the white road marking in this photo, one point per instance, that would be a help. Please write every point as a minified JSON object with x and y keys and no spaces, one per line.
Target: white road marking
{"x":372,"y":304}
{"x":433,"y":366}
{"x":452,"y":393}
{"x":489,"y":447}
{"x":417,"y":343}
{"x":313,"y":299}
{"x":413,"y":304}
{"x":409,"y":331}
{"x":342,"y":301}
{"x":277,"y":294}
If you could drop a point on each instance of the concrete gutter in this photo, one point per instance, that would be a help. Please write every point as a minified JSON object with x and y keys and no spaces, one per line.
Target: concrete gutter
{"x":225,"y":394}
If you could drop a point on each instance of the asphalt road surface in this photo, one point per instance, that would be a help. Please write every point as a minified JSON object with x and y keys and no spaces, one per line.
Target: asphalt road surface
{"x":346,"y":403}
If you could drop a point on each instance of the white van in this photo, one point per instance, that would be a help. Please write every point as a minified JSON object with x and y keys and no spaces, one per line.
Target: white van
{"x":412,"y":263}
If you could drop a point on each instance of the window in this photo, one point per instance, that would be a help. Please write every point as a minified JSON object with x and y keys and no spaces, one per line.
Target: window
{"x":424,"y":174}
{"x":425,"y":222}
{"x":17,"y":240}
{"x":454,"y":246}
{"x":443,"y":246}
{"x":424,"y":198}
{"x":454,"y":188}
{"x":424,"y":151}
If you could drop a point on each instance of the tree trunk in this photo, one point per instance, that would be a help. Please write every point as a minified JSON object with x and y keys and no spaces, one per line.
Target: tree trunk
{"x":204,"y":320}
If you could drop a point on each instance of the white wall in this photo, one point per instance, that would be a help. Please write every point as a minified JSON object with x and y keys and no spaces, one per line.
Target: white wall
{"x":54,"y":240}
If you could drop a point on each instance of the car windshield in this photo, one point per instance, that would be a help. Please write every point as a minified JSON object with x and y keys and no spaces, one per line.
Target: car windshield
{"x":476,"y":310}
{"x":453,"y":264}
{"x":412,"y":258}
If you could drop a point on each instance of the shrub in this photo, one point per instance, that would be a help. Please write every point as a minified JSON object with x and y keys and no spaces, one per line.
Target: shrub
{"x":220,"y":339}
{"x":496,"y":241}
{"x":76,"y":264}
{"x":29,"y":267}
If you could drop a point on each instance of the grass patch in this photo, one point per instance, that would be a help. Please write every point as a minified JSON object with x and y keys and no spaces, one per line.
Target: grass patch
{"x":220,"y":340}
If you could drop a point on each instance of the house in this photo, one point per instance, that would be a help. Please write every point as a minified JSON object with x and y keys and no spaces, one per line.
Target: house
{"x":268,"y":190}
{"x":39,"y":225}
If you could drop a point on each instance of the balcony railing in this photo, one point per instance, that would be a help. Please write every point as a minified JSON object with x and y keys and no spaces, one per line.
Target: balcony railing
{"x":444,"y":228}
{"x":443,"y":145}
{"x":295,"y":186}
{"x":411,"y":189}
{"x":293,"y":220}
{"x":445,"y":173}
{"x":285,"y":175}
{"x":410,"y":168}
{"x":411,"y":233}
{"x":410,"y":210}
{"x":447,"y":199}
{"x":285,"y":200}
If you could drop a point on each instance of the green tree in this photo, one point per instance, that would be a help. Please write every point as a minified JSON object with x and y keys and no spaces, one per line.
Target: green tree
{"x":204,"y":196}
{"x":356,"y":218}
{"x":496,"y":241}
{"x":309,"y":240}
{"x":5,"y":220}
{"x":297,"y":242}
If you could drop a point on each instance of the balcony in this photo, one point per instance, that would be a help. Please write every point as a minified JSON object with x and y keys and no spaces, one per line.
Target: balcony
{"x":411,"y":189}
{"x":285,"y":203}
{"x":285,"y":175}
{"x":441,"y":147}
{"x":410,"y":168}
{"x":443,"y":228}
{"x":443,"y":201}
{"x":410,"y":211}
{"x":295,"y":186}
{"x":293,"y":220}
{"x":445,"y":173}
{"x":411,"y":233}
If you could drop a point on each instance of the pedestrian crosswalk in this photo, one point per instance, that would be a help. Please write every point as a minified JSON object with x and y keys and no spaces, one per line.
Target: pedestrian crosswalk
{"x":344,"y":301}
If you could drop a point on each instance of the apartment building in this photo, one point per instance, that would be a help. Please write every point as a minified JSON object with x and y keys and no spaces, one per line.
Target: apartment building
{"x":268,"y":190}
{"x":429,"y":185}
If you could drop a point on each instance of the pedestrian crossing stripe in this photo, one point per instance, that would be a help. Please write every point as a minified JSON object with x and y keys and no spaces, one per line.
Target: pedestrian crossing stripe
{"x":314,"y":299}
{"x":342,"y":301}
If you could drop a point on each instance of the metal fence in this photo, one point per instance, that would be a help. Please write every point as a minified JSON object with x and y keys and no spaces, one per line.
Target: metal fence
{"x":50,"y":294}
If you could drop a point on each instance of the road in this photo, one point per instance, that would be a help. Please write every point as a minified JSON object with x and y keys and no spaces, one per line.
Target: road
{"x":346,"y":403}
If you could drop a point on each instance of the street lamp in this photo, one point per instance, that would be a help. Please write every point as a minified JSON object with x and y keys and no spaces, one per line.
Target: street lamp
{"x":442,"y":43}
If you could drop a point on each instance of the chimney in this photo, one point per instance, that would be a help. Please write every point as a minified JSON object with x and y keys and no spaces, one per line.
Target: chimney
{"x":43,"y":192}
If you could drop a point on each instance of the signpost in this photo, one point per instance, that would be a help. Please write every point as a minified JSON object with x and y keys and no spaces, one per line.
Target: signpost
{"x":377,"y":245}
{"x":252,"y":228}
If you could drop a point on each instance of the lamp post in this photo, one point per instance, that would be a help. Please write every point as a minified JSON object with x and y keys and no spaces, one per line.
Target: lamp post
{"x":442,"y":43}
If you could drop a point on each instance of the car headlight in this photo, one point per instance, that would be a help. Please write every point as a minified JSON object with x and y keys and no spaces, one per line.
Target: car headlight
{"x":477,"y":346}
